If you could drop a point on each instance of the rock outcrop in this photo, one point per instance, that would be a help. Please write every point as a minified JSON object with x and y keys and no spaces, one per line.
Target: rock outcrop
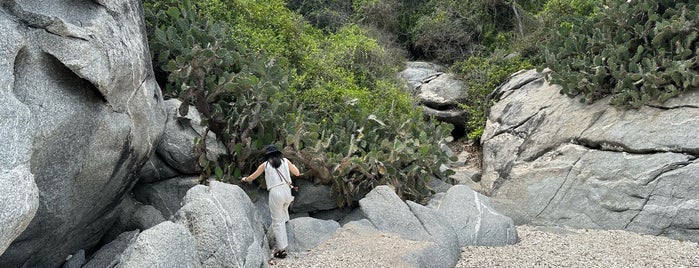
{"x":550,"y":159}
{"x":477,"y":225}
{"x":83,"y":114}
{"x":226,"y":226}
{"x":439,"y":93}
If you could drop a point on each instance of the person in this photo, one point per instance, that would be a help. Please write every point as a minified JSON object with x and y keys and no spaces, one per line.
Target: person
{"x":277,"y":169}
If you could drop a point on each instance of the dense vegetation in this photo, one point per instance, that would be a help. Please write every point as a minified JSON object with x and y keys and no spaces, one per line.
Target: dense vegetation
{"x":260,"y":75}
{"x":317,"y":76}
{"x":634,"y":51}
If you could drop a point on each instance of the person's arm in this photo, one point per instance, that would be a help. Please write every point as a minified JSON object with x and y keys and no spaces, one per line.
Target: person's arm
{"x":255,"y":174}
{"x":293,"y":169}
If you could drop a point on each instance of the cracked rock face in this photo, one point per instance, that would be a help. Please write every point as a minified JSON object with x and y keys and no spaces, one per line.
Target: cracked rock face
{"x":549,"y":159}
{"x":76,"y":80}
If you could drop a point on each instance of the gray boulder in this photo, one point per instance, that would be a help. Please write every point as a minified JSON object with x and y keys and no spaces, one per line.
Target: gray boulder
{"x":388,"y":213}
{"x":439,"y":93}
{"x":132,"y":215}
{"x":475,"y":220}
{"x":76,"y":260}
{"x":312,"y":197}
{"x":167,"y":195}
{"x":165,"y":245}
{"x":416,"y":72}
{"x":444,"y":90}
{"x":226,"y":226}
{"x":19,"y":197}
{"x":109,"y":254}
{"x":79,"y":76}
{"x":156,"y":169}
{"x":175,"y":150}
{"x":549,"y":159}
{"x":306,"y":233}
{"x":445,"y":250}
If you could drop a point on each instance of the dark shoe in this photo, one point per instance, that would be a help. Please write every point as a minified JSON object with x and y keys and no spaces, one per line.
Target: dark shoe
{"x":280,"y":254}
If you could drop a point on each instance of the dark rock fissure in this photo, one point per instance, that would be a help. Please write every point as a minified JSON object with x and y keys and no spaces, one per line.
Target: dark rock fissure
{"x":612,"y":146}
{"x":673,"y":107}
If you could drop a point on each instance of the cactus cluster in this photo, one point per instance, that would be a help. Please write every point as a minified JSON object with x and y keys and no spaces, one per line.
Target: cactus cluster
{"x":635,"y":51}
{"x":246,"y":99}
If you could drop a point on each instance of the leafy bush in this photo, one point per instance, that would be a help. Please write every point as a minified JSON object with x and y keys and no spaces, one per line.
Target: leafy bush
{"x":484,"y":75}
{"x":237,"y":92}
{"x":328,"y":15}
{"x":334,"y":110}
{"x":635,"y":51}
{"x":456,"y":30}
{"x":564,"y":8}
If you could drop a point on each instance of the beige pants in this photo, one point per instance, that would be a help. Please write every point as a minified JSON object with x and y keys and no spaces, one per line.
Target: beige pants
{"x":279,"y":200}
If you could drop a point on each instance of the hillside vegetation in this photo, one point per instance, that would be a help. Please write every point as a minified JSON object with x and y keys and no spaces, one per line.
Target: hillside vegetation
{"x":317,"y":77}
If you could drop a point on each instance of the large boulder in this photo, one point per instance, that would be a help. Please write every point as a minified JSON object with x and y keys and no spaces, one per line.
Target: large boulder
{"x":475,"y":220}
{"x":312,"y":197}
{"x":165,"y":195}
{"x":388,"y":213}
{"x":19,"y":197}
{"x":132,"y":215}
{"x":444,"y":90}
{"x":89,"y":113}
{"x":306,"y":233}
{"x":109,"y":254}
{"x":226,"y":226}
{"x":175,"y":150}
{"x":439,"y":93}
{"x":165,"y":245}
{"x":417,"y":71}
{"x":549,"y":159}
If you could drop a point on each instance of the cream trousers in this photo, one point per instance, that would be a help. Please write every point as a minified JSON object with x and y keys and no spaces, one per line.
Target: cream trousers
{"x":279,"y":200}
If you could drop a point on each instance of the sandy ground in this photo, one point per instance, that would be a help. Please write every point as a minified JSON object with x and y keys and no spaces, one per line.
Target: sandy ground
{"x":538,"y":247}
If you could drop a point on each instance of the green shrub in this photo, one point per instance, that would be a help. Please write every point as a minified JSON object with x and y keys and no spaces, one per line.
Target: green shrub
{"x":237,"y":92}
{"x":484,"y":75}
{"x":328,"y":15}
{"x":335,"y":109}
{"x":636,"y":51}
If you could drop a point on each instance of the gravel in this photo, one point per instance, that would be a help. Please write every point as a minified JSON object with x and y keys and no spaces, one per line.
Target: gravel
{"x":538,"y":247}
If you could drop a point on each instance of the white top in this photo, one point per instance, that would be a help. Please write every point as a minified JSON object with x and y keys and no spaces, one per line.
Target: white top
{"x":272,"y":178}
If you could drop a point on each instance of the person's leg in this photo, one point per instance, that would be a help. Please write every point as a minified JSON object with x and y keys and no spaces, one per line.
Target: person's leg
{"x":278,"y":207}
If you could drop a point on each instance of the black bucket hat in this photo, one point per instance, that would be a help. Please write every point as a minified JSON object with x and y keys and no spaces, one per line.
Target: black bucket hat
{"x":271,"y":149}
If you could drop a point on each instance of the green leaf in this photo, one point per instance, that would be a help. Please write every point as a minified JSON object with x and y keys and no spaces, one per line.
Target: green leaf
{"x":173,"y":12}
{"x":219,"y":173}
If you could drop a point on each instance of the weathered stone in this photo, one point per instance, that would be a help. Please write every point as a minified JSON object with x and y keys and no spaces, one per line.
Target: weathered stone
{"x":549,"y":159}
{"x":76,"y":260}
{"x":312,"y":197}
{"x":415,"y":72}
{"x":156,"y":170}
{"x":165,"y":195}
{"x":79,"y":75}
{"x":19,"y":197}
{"x":226,"y":226}
{"x":475,"y":220}
{"x":444,"y":91}
{"x":109,"y":254}
{"x":446,"y":250}
{"x":306,"y":233}
{"x":165,"y":245}
{"x":176,"y":148}
{"x":389,"y":213}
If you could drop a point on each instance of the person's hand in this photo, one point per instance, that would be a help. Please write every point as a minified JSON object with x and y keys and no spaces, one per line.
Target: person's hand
{"x":244,"y":179}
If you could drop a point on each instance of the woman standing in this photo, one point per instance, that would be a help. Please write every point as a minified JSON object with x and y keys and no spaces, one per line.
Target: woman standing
{"x":277,"y":171}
